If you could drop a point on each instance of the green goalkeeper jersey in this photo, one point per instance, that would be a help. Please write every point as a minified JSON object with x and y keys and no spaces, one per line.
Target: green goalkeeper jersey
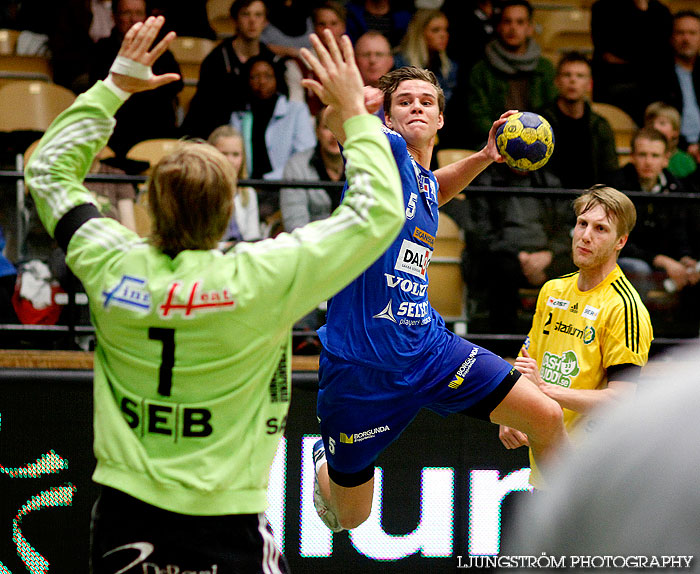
{"x":192,"y":366}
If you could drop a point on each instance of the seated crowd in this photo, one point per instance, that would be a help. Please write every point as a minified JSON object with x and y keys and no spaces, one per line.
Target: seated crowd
{"x":250,"y":104}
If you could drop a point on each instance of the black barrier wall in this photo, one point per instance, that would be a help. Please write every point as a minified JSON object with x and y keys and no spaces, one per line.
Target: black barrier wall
{"x":442,"y":485}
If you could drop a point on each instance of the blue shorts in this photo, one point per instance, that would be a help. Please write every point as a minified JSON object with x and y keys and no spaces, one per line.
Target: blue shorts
{"x":362,"y":409}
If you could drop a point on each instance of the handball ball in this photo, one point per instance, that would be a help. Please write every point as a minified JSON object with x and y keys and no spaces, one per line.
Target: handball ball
{"x":525,"y":141}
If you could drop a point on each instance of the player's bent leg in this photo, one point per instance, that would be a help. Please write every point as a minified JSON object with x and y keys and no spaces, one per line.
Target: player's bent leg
{"x":322,"y":489}
{"x":352,"y":504}
{"x":529,"y":410}
{"x":341,"y":507}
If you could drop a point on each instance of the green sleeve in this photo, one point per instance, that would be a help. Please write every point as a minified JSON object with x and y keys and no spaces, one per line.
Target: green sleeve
{"x":55,"y":173}
{"x":315,"y":261}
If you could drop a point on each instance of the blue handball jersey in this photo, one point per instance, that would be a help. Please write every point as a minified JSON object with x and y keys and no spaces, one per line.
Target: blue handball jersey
{"x":383,"y":318}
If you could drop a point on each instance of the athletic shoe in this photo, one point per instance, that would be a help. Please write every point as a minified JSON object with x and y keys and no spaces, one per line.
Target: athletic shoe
{"x":322,"y":508}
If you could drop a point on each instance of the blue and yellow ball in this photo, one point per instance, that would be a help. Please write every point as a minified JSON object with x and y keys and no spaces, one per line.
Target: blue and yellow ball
{"x":525,"y":141}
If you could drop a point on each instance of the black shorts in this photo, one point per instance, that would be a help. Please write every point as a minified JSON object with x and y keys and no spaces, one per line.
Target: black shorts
{"x":129,"y":537}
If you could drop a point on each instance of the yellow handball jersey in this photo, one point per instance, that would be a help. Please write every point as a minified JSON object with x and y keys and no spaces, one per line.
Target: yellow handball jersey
{"x":577,"y":335}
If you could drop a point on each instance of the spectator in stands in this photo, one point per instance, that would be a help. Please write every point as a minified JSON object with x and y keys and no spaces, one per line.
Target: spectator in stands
{"x":148,"y":115}
{"x":67,"y":25}
{"x":660,"y":247}
{"x":631,"y":48}
{"x":684,"y":79}
{"x":289,"y":26}
{"x":373,"y":56}
{"x":384,"y":16}
{"x":467,"y":43}
{"x":330,"y":14}
{"x":273,"y":129}
{"x":222,"y":89}
{"x":665,"y":118}
{"x":512,"y":75}
{"x":523,"y":239}
{"x":322,"y":163}
{"x":9,"y":14}
{"x":245,"y":220}
{"x":425,"y":46}
{"x":184,"y":17}
{"x":585,"y":152}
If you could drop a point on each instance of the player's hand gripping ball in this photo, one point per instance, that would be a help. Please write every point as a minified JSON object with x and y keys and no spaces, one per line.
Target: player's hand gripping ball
{"x":525,"y":141}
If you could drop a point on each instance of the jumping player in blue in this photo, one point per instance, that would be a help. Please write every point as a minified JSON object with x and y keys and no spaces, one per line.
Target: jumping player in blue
{"x":387,"y":352}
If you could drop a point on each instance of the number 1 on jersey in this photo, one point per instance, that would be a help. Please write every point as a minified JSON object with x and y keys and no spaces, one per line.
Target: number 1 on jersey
{"x":167,"y":357}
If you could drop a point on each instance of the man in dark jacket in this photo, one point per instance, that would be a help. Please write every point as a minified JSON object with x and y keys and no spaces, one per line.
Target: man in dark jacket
{"x":584,"y":152}
{"x":684,"y":79}
{"x":512,"y":75}
{"x":513,"y":240}
{"x":659,"y":254}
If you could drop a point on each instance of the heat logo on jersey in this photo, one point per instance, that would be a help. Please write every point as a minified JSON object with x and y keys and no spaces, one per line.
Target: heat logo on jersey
{"x":129,"y":293}
{"x":413,"y":259}
{"x":197,"y":300}
{"x":559,"y":370}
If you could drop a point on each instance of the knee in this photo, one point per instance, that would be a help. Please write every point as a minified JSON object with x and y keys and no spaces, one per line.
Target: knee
{"x":548,"y":422}
{"x":350,"y":518}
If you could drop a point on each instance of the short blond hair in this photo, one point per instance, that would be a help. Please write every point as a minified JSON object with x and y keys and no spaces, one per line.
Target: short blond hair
{"x":228,"y":131}
{"x":618,"y":207}
{"x":662,"y":110}
{"x":190,"y":194}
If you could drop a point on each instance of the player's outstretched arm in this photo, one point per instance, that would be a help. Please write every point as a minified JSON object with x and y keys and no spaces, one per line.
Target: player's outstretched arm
{"x":56,"y":170}
{"x":131,"y":70}
{"x":339,"y":83}
{"x":455,"y":177}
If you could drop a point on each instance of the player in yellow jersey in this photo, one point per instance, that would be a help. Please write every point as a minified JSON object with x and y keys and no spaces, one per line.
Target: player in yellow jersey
{"x":591,"y":333}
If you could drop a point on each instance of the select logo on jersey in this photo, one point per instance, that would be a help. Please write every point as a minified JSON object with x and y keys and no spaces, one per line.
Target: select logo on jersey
{"x":364,"y":435}
{"x":417,"y":313}
{"x":562,"y":304}
{"x":464,"y":369}
{"x":424,"y":236}
{"x":559,"y":370}
{"x":574,"y":308}
{"x":385,"y":313}
{"x":129,"y":293}
{"x":417,"y":310}
{"x":587,"y":334}
{"x":406,"y":285}
{"x":194,"y":301}
{"x":590,"y":313}
{"x":413,"y":259}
